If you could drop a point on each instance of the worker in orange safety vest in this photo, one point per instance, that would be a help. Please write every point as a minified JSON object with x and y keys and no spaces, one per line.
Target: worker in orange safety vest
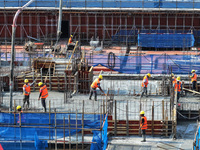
{"x":26,"y":92}
{"x":70,"y":39}
{"x":145,"y":83}
{"x":193,"y":79}
{"x":178,"y":87}
{"x":143,"y":125}
{"x":43,"y":94}
{"x":94,"y":86}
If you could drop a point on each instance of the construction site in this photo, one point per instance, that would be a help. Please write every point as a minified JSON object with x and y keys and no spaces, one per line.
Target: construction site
{"x":139,"y":58}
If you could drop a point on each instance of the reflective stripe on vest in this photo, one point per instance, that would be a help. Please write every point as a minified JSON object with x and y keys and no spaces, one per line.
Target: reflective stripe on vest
{"x":27,"y":89}
{"x":178,"y":86}
{"x":95,"y":83}
{"x":44,"y":92}
{"x":144,"y":84}
{"x":194,"y":78}
{"x":144,"y":126}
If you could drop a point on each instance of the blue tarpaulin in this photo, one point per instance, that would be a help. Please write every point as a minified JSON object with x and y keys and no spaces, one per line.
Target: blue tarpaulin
{"x":159,"y":4}
{"x":166,"y":40}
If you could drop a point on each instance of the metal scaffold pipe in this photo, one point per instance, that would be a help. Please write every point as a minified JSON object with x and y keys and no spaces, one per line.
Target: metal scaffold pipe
{"x":13,"y":48}
{"x":59,"y":21}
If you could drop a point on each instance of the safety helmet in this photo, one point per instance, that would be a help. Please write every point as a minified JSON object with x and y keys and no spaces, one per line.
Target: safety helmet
{"x":148,"y":74}
{"x":26,"y":81}
{"x":178,"y":78}
{"x":19,"y":107}
{"x":172,"y":75}
{"x":192,"y":71}
{"x":40,"y":83}
{"x":100,"y":77}
{"x":142,"y":113}
{"x":71,"y":35}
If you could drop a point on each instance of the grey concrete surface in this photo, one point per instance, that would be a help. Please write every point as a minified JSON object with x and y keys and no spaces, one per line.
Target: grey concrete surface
{"x":185,"y":136}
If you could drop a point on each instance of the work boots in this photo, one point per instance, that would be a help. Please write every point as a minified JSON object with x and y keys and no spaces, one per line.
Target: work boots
{"x":144,"y":138}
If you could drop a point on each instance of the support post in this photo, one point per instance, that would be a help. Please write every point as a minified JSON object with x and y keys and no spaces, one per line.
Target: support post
{"x":127,"y":123}
{"x":163,"y":110}
{"x":63,"y":133}
{"x":152,"y":121}
{"x":115,"y":118}
{"x":69,"y":133}
{"x":50,"y":87}
{"x":55,"y":132}
{"x":83,"y":126}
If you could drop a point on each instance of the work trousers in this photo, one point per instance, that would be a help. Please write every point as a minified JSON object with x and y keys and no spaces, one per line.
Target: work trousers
{"x":178,"y":96}
{"x":43,"y":103}
{"x":194,"y":85}
{"x":93,"y":90}
{"x":26,"y":100}
{"x":144,"y":90}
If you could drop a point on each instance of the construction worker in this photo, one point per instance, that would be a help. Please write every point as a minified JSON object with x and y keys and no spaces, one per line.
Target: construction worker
{"x":145,"y":83}
{"x":178,"y":87}
{"x":94,"y":86}
{"x":19,"y":108}
{"x":193,"y":79}
{"x":70,"y":39}
{"x":26,"y":92}
{"x":173,"y":78}
{"x":143,"y":125}
{"x":43,"y":94}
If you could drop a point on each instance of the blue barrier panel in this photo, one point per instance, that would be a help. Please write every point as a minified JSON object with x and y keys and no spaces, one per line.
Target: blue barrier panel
{"x":35,"y":128}
{"x":154,"y":64}
{"x":100,"y":138}
{"x":166,"y":40}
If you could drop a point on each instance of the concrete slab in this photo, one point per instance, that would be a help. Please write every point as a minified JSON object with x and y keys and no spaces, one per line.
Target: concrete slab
{"x":185,"y":142}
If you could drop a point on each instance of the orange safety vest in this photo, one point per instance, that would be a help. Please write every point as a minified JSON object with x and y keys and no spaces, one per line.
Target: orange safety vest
{"x":177,"y":86}
{"x":174,"y":80}
{"x":144,"y":125}
{"x":144,"y":84}
{"x":70,"y":40}
{"x":27,"y":89}
{"x":44,"y":92}
{"x":194,"y":78}
{"x":94,"y":84}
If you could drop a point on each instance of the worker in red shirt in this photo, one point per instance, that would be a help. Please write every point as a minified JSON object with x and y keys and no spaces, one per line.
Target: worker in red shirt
{"x":43,"y":94}
{"x":145,"y":83}
{"x":143,"y":125}
{"x":94,"y":86}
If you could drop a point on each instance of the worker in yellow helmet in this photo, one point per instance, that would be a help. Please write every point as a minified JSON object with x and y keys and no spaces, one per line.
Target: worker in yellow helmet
{"x":145,"y":83}
{"x":70,"y":39}
{"x":26,"y":92}
{"x":143,"y":125}
{"x":94,"y":86}
{"x":178,"y":87}
{"x":193,"y":79}
{"x":43,"y":94}
{"x":19,"y":108}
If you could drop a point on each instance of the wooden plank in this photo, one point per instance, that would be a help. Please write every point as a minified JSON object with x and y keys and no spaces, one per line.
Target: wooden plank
{"x":191,"y":91}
